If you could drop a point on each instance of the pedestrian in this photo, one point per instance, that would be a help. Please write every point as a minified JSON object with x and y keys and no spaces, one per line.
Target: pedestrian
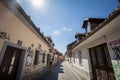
{"x":51,"y":65}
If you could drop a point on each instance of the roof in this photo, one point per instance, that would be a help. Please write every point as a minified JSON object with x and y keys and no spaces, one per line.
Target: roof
{"x":92,"y":20}
{"x":49,"y":39}
{"x":79,"y":34}
{"x":119,"y":1}
{"x":110,"y":17}
{"x":19,"y":8}
{"x":59,"y":53}
{"x":69,"y":46}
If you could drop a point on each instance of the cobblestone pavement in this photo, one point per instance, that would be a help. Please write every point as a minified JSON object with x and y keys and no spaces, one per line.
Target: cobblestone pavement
{"x":60,"y":72}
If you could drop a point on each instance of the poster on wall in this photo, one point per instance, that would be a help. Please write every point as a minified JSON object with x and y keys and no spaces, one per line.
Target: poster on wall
{"x":114,"y":49}
{"x":29,"y":60}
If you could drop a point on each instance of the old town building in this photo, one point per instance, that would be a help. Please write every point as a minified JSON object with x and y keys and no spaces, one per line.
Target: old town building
{"x":53,"y":54}
{"x":23,"y":48}
{"x":97,"y":54}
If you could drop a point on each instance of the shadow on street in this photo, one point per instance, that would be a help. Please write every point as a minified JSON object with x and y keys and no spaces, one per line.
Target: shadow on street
{"x":58,"y":68}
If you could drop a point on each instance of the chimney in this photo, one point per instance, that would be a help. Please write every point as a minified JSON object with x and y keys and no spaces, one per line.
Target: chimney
{"x":79,"y":36}
{"x":89,"y":24}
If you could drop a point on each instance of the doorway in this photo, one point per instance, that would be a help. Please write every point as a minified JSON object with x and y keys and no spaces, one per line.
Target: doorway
{"x":48,"y":58}
{"x":10,"y":63}
{"x":101,"y":63}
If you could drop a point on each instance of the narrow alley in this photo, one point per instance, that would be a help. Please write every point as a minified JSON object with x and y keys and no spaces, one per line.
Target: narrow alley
{"x":61,"y":72}
{"x":59,"y":40}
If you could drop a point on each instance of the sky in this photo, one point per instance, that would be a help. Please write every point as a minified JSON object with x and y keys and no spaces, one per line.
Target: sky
{"x":62,"y":19}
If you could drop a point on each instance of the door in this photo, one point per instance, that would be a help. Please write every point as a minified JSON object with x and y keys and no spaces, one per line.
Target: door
{"x":10,"y":63}
{"x":48,"y":58}
{"x":101,"y":64}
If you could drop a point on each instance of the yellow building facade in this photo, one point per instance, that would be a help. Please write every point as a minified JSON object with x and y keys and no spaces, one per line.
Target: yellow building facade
{"x":23,"y":48}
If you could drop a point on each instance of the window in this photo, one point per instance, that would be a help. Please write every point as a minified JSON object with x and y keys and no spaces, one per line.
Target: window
{"x":50,"y":50}
{"x":80,"y":57}
{"x":43,"y":58}
{"x":74,"y":57}
{"x":36,"y":59}
{"x":29,"y":60}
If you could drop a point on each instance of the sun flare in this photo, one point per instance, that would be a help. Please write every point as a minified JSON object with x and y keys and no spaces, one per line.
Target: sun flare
{"x":37,"y":3}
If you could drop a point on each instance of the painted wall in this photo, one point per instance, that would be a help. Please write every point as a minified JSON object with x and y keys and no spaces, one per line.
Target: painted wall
{"x":17,"y":30}
{"x":109,"y":34}
{"x":113,"y":42}
{"x":10,"y":24}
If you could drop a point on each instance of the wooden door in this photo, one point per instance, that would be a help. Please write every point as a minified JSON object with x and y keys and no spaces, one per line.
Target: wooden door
{"x":10,"y":63}
{"x":101,"y":64}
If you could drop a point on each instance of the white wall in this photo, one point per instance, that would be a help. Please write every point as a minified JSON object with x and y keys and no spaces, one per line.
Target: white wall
{"x":84,"y":66}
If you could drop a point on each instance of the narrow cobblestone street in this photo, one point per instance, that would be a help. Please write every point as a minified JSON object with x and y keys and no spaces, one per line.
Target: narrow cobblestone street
{"x":61,"y":72}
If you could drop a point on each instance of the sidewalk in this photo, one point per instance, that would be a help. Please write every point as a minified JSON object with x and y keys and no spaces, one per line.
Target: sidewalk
{"x":75,"y":71}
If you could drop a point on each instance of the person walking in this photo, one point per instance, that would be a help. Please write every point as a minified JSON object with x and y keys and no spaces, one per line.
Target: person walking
{"x":51,"y":65}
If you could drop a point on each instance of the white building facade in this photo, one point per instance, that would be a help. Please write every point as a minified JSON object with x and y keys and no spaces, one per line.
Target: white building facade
{"x":98,"y":55}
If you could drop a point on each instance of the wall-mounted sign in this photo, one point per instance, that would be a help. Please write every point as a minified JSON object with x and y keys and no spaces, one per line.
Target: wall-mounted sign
{"x":4,"y":36}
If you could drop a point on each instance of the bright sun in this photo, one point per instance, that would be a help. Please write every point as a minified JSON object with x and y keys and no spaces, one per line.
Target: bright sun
{"x":37,"y":3}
